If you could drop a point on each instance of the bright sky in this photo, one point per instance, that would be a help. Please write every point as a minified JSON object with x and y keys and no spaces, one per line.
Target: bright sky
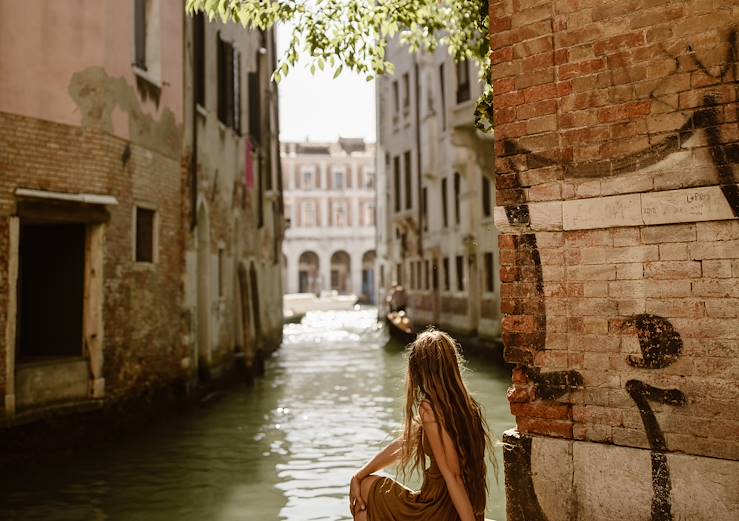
{"x":320,"y":108}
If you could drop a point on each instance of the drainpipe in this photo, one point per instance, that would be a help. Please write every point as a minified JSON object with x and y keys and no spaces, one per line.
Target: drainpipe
{"x":418,"y":156}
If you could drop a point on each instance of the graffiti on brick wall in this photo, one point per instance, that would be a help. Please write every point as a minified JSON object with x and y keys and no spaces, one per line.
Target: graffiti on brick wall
{"x":660,"y":346}
{"x":707,"y":118}
{"x":659,"y":342}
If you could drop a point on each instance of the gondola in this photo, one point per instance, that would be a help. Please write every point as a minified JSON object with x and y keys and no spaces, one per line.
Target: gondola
{"x":400,"y":327}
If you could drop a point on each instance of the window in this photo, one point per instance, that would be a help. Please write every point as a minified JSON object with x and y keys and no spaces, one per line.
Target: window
{"x":463,"y":81}
{"x":444,"y":205}
{"x":340,"y":215}
{"x":408,"y":185}
{"x":369,"y":179}
{"x":442,"y":95}
{"x":339,"y":180}
{"x":460,"y":273}
{"x":145,"y":229}
{"x":399,"y":273}
{"x":396,"y":179}
{"x":146,"y":38}
{"x":424,"y":208}
{"x":487,"y":207}
{"x":382,"y":275}
{"x":446,"y":274}
{"x":406,"y":91}
{"x":309,"y":213}
{"x":413,"y":275}
{"x":229,"y":84}
{"x":396,"y":97}
{"x":489,"y":273}
{"x":308,"y":179}
{"x":427,"y":274}
{"x":199,"y":57}
{"x":369,"y":214}
{"x":139,"y":25}
{"x":435,"y":275}
{"x":457,"y":192}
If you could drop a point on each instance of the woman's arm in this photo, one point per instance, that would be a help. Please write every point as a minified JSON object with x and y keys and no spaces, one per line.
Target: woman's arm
{"x":445,"y":454}
{"x":382,"y":460}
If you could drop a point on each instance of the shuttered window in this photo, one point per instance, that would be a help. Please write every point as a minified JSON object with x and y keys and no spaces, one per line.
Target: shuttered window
{"x":139,"y":25}
{"x":199,"y":52}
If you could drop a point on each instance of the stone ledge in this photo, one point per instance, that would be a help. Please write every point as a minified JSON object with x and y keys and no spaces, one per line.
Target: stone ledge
{"x":706,"y":203}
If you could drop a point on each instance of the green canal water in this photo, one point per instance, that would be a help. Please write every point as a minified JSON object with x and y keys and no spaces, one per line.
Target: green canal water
{"x":282,"y":450}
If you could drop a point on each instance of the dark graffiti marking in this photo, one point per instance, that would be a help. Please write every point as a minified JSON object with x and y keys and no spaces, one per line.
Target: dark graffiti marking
{"x":523,"y":504}
{"x":642,"y":394}
{"x":660,"y":345}
{"x":707,"y":118}
{"x":554,"y":384}
{"x":659,"y":342}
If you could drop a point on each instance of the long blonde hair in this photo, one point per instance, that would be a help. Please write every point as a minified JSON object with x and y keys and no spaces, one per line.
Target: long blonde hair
{"x":434,"y":374}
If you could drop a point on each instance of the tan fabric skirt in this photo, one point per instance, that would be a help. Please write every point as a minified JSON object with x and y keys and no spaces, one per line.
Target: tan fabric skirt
{"x":388,"y":500}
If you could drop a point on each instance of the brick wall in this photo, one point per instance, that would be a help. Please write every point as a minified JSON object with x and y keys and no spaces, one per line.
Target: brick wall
{"x":616,"y":158}
{"x":142,"y":349}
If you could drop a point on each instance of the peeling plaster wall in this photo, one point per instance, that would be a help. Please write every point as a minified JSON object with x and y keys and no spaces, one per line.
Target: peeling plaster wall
{"x":45,"y":45}
{"x":232,"y":208}
{"x":75,"y":119}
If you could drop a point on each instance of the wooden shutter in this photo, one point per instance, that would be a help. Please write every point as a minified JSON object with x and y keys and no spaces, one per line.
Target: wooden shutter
{"x":139,"y":28}
{"x":236,"y":89}
{"x":199,"y":55}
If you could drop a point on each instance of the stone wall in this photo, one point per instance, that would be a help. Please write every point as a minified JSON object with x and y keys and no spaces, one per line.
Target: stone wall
{"x":616,"y":163}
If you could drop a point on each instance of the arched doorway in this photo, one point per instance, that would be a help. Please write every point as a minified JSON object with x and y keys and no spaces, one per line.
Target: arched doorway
{"x":203,"y":291}
{"x":368,"y":277}
{"x":308,"y":273}
{"x":246,"y":338}
{"x":255,"y":320}
{"x":341,"y":272}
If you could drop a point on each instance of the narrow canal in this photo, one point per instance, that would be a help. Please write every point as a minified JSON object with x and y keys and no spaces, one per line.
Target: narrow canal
{"x":283,"y":450}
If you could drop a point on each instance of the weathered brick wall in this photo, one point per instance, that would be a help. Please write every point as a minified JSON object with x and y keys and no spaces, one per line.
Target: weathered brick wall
{"x":141,"y":303}
{"x":616,"y":159}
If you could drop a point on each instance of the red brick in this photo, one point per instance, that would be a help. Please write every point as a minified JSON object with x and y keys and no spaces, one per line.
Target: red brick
{"x":539,"y":409}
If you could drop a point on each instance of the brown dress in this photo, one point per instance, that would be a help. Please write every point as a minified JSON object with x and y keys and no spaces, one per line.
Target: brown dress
{"x":388,"y":500}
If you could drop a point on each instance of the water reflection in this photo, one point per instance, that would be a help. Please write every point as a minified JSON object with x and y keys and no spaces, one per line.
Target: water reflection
{"x":283,"y":450}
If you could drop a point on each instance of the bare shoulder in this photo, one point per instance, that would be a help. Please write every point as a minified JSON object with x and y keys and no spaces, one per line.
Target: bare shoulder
{"x":427,"y":412}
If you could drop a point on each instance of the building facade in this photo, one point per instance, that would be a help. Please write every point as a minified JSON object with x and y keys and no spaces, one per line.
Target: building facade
{"x":98,"y":206}
{"x":617,"y":167}
{"x":330,"y":207}
{"x":233,"y":290}
{"x":436,"y":195}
